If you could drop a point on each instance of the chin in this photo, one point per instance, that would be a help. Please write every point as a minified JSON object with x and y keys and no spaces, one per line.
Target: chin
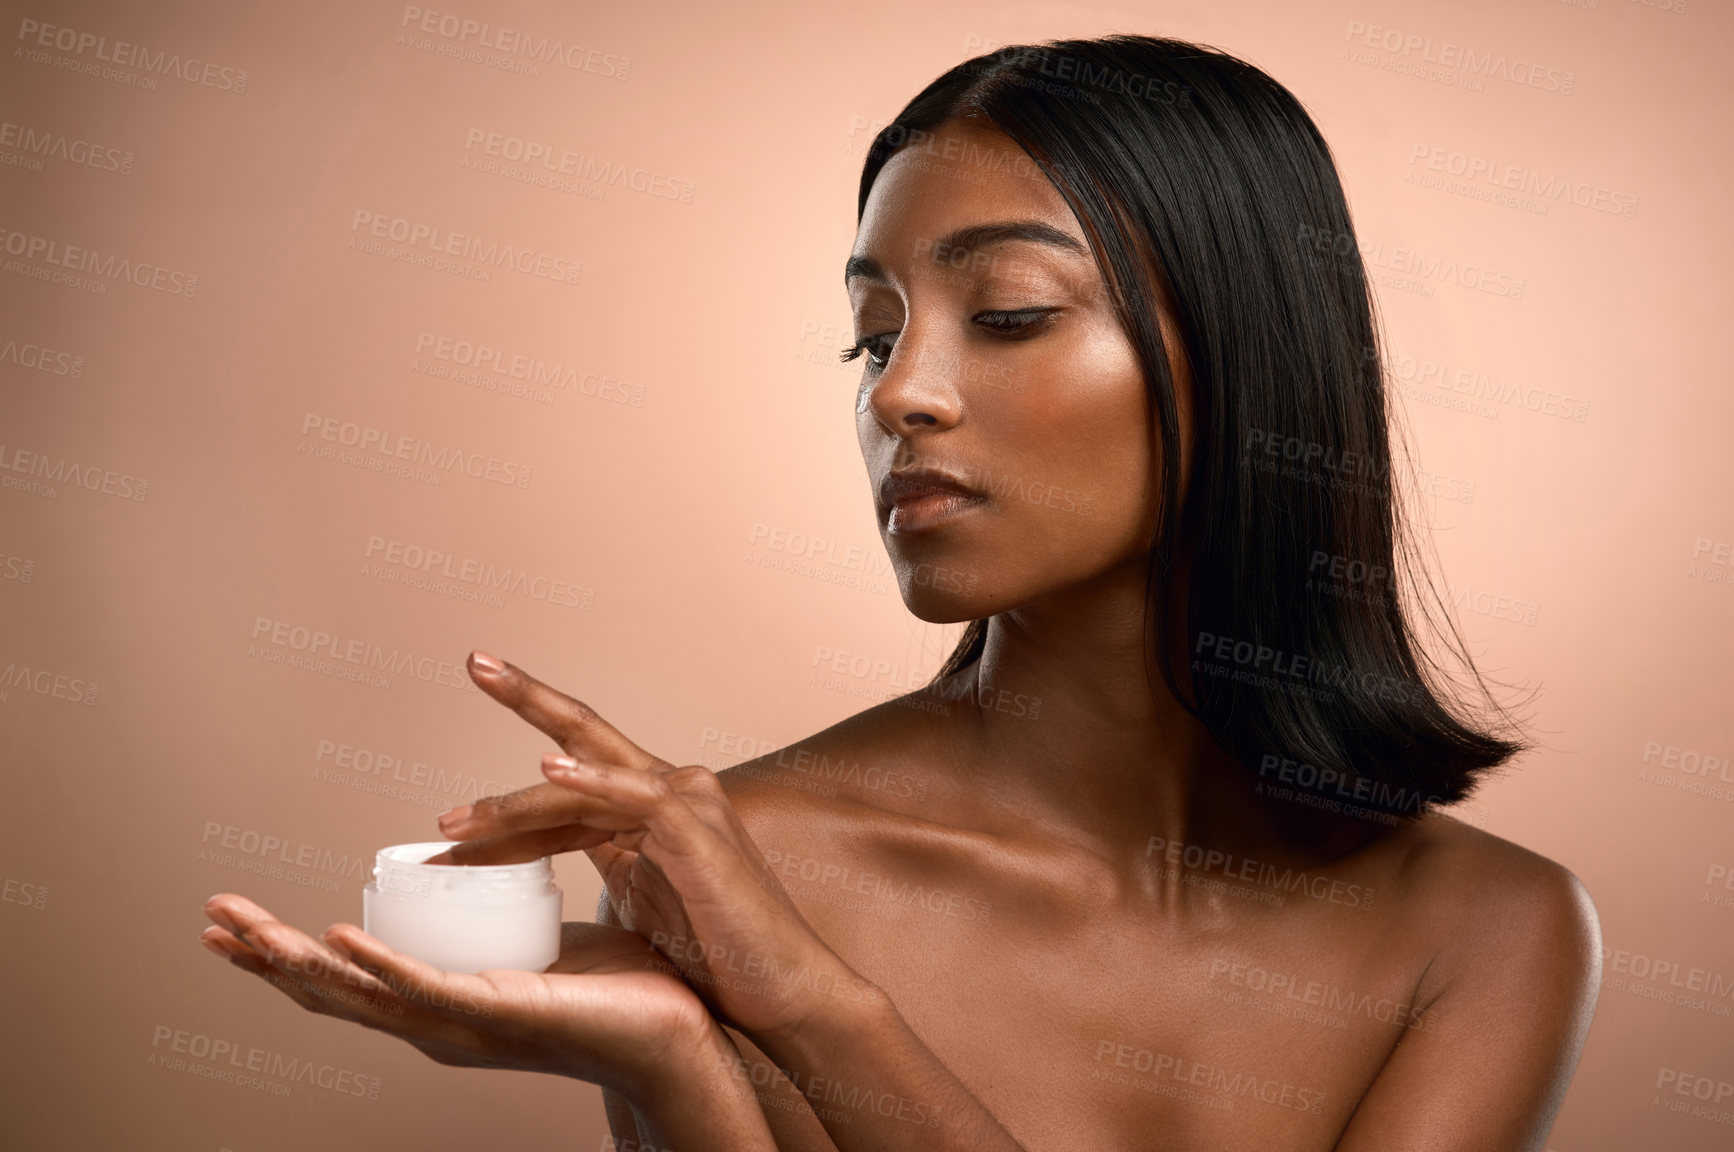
{"x":940,"y":595}
{"x":939,"y":610}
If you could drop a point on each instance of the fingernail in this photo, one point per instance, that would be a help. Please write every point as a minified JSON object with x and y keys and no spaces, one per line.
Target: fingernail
{"x":487,"y":663}
{"x":562,"y":764}
{"x":455,"y":816}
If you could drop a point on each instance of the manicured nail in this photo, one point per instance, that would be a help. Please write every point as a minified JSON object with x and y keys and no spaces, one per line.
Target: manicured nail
{"x":562,"y":764}
{"x":486,"y":663}
{"x":455,"y":817}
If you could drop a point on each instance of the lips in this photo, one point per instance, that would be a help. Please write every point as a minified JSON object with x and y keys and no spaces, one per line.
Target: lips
{"x":903,"y":487}
{"x":918,"y":499}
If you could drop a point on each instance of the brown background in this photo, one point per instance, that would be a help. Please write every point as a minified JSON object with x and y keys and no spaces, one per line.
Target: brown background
{"x":701,"y":425}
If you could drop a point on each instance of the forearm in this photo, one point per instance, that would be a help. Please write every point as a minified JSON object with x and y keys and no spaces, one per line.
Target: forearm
{"x":877,"y":1087}
{"x":699,"y":1107}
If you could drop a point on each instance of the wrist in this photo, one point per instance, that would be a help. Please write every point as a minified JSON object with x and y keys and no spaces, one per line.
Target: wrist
{"x":695,"y":1052}
{"x":854,"y":1012}
{"x":700,"y":1096}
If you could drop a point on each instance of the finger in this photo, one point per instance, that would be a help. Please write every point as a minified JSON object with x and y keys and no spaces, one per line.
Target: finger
{"x":223,"y":943}
{"x":612,"y":864}
{"x":454,"y":995}
{"x":615,"y":858}
{"x":639,"y":894}
{"x":522,"y":847}
{"x":282,"y":947}
{"x":573,"y":724}
{"x":352,"y":993}
{"x":666,"y":816}
{"x":311,"y":973}
{"x":546,"y":805}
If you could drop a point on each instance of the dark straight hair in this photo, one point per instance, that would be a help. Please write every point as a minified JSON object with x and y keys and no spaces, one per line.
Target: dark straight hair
{"x":1205,"y":187}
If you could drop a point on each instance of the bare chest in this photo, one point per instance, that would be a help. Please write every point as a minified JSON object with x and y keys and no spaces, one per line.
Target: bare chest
{"x":1097,"y":1022}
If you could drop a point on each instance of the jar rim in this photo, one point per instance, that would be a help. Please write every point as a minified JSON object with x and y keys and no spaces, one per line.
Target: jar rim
{"x":401,"y":870}
{"x":414,"y":856}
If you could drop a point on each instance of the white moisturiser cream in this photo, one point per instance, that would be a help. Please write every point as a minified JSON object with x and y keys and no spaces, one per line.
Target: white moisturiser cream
{"x":463,"y":918}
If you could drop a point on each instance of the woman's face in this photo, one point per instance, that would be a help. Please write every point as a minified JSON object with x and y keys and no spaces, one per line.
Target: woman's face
{"x":992,"y":355}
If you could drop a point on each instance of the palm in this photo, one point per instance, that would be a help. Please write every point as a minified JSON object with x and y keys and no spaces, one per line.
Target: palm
{"x":608,"y":1010}
{"x":608,"y":990}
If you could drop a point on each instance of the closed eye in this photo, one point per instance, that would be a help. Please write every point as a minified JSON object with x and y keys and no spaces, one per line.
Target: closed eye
{"x":868,"y":345}
{"x":1019,"y":323}
{"x":1016,"y":324}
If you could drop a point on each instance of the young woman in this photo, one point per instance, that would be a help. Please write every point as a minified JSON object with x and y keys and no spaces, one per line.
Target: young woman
{"x":1158,"y":860}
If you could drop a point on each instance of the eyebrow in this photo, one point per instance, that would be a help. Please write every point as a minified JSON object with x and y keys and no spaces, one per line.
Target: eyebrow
{"x":971,"y":237}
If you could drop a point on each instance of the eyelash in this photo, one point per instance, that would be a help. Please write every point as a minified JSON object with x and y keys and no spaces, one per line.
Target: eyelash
{"x":1030,"y":318}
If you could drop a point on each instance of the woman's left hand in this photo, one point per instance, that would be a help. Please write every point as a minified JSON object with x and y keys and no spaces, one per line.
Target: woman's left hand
{"x":608,"y":1010}
{"x":679,"y":865}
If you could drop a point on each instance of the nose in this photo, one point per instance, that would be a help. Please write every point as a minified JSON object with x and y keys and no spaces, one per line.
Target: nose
{"x":916,"y":390}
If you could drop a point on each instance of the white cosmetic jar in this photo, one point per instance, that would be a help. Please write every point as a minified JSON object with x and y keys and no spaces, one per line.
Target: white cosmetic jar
{"x":463,"y":918}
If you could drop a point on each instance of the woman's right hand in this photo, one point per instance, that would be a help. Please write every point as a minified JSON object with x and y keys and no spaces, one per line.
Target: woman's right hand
{"x":679,"y":865}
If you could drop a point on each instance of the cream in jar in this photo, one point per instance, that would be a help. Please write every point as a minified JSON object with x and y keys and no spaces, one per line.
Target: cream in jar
{"x":463,"y":918}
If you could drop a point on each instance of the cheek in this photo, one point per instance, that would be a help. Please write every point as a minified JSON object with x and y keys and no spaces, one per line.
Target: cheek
{"x":1080,"y":438}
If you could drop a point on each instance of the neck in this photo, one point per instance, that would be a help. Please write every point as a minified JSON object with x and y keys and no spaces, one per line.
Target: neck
{"x":1072,"y":730}
{"x":1109,"y":754}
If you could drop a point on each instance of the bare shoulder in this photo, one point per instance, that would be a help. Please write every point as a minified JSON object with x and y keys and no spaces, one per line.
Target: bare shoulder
{"x":1496,"y":910}
{"x":1512,"y":968}
{"x":881,"y":762}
